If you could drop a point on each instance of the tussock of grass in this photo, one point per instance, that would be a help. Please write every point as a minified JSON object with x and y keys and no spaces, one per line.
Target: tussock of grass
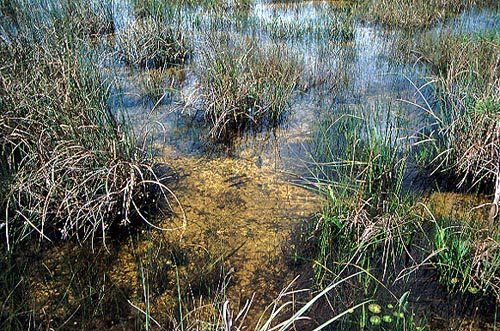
{"x":155,"y":8}
{"x":92,"y":19}
{"x":69,"y":165}
{"x":371,"y":221}
{"x":464,"y":119}
{"x":150,"y":43}
{"x":359,"y":165}
{"x":363,"y":158}
{"x":332,"y":23}
{"x":76,"y":18}
{"x":411,"y":14}
{"x":245,"y":86}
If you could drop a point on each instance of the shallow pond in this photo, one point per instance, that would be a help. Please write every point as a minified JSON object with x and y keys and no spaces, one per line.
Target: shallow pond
{"x":237,"y":198}
{"x":241,"y":204}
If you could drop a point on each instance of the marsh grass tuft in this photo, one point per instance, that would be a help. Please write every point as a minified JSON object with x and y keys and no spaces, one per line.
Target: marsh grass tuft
{"x":360,"y":166}
{"x":411,"y":14}
{"x":330,"y":23}
{"x":92,"y":19}
{"x":79,"y":18}
{"x":246,"y":86}
{"x":70,"y":166}
{"x":359,"y":157}
{"x":151,"y":43}
{"x":463,"y":119}
{"x":373,"y":221}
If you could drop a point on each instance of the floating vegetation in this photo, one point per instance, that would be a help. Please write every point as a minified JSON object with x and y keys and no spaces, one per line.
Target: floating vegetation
{"x":374,"y":308}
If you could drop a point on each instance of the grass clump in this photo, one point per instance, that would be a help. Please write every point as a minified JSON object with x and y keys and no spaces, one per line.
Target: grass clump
{"x":84,"y":18}
{"x":359,"y":158}
{"x":245,"y":86}
{"x":372,"y":221}
{"x":69,"y":165}
{"x":463,"y":121}
{"x":150,"y":43}
{"x":81,"y":18}
{"x":332,"y":23}
{"x":411,"y":14}
{"x":367,"y":223}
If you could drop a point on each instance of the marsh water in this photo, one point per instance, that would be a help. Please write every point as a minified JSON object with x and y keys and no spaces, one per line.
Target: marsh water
{"x":240,"y":205}
{"x":240,"y":202}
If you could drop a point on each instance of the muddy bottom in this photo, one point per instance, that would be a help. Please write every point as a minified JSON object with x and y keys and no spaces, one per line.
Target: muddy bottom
{"x":241,"y":216}
{"x":228,"y":240}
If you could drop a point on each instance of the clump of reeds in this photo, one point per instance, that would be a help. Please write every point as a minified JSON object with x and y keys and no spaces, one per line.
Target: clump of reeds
{"x":76,"y":18}
{"x":359,"y":165}
{"x":84,"y":18}
{"x":331,"y":23}
{"x":464,"y":118}
{"x":153,"y":8}
{"x":371,"y":220}
{"x":364,"y":158}
{"x":69,"y":164}
{"x":245,"y":85}
{"x":151,"y":43}
{"x":411,"y":14}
